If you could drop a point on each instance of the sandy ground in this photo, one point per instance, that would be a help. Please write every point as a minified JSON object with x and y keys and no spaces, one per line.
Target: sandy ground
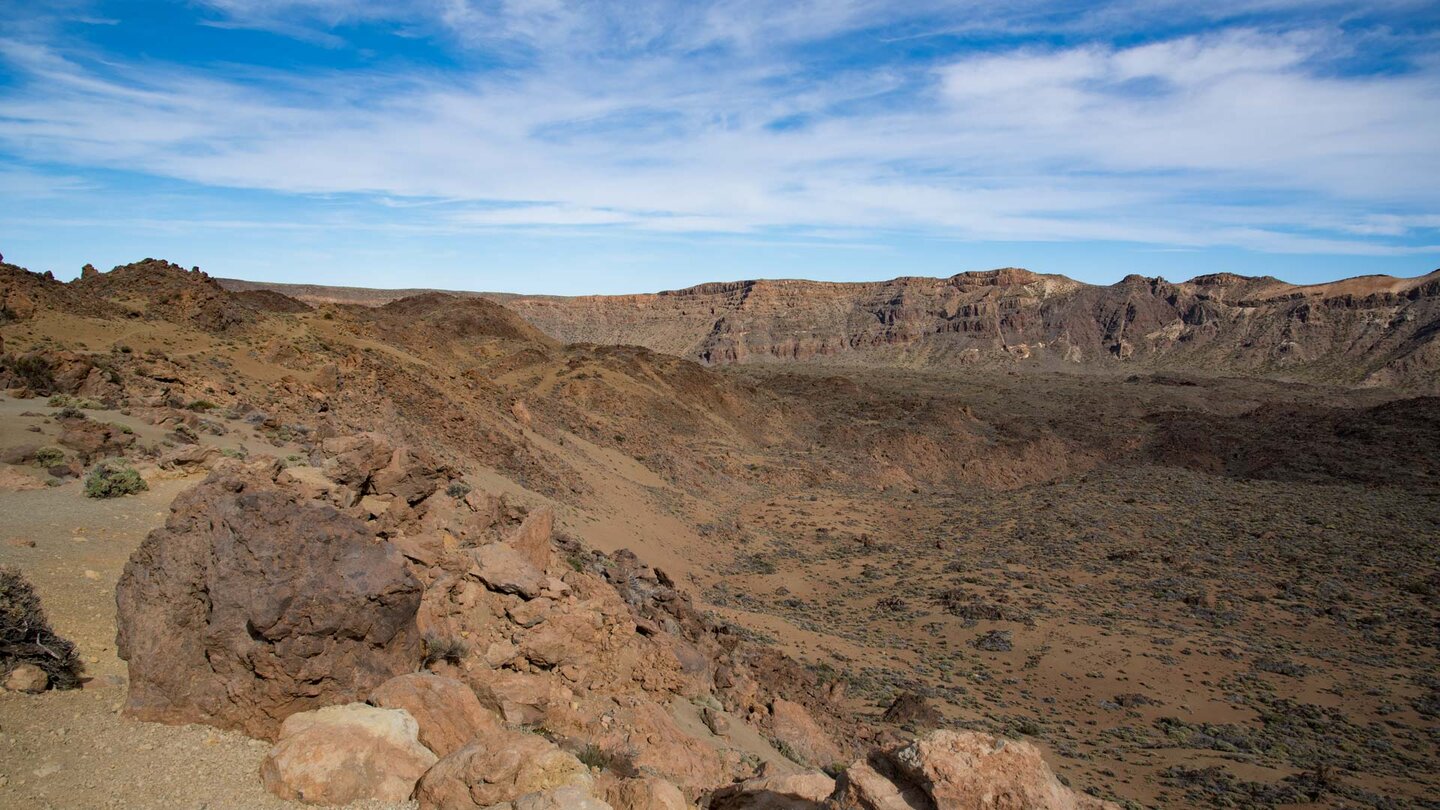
{"x":74,"y":749}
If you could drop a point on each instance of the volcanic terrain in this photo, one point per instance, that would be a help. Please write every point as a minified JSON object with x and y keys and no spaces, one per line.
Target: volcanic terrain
{"x":1182,"y":538}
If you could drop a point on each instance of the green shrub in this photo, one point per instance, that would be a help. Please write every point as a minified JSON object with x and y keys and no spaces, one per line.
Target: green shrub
{"x":49,"y":456}
{"x":70,"y":403}
{"x":202,"y":405}
{"x":26,"y":637}
{"x":112,"y":479}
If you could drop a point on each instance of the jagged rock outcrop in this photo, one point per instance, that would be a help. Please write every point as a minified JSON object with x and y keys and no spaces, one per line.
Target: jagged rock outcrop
{"x":157,"y":288}
{"x":252,"y":604}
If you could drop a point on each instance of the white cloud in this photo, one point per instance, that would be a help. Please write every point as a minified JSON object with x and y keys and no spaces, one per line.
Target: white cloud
{"x":660,"y":119}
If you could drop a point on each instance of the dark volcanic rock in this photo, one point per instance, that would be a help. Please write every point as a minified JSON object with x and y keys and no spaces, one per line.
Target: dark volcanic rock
{"x":251,"y":605}
{"x":913,"y":712}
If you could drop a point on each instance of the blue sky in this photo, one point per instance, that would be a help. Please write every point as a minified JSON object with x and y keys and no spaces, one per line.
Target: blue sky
{"x":545,"y":146}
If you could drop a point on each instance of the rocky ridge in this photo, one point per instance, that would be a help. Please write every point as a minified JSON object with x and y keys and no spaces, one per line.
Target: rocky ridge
{"x":1369,"y":330}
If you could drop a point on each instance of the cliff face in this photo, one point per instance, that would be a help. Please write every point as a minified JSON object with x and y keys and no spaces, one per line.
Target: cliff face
{"x":1369,"y":330}
{"x":1376,"y":330}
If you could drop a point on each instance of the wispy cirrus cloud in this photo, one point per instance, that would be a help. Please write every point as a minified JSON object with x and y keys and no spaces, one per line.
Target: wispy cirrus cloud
{"x":1242,"y":124}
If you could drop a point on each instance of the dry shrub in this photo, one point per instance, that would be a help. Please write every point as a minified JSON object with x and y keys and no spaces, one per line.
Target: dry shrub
{"x":26,"y":637}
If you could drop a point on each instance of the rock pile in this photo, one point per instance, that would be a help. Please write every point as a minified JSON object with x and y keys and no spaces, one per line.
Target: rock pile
{"x":401,"y":636}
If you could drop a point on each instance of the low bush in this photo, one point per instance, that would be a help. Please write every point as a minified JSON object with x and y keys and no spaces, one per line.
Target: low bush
{"x":35,"y":371}
{"x":49,"y":456}
{"x":112,"y":479}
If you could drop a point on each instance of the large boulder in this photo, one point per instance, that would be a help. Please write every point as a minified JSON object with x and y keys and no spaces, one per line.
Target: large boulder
{"x":960,"y":770}
{"x":343,"y":754}
{"x":354,"y":459}
{"x":250,"y":605}
{"x":92,"y":440}
{"x":411,"y":476}
{"x":497,"y":768}
{"x":447,"y":711}
{"x":505,"y":570}
{"x":800,"y":736}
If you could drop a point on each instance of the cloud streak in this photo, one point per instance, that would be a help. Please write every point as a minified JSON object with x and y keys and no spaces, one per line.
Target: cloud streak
{"x":717,"y":118}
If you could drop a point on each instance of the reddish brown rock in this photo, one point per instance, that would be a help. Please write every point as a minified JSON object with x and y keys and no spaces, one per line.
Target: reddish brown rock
{"x":505,"y":570}
{"x":499,"y":768}
{"x":874,"y":784}
{"x":519,"y":697}
{"x":913,"y":712}
{"x":92,"y":440}
{"x":532,"y":539}
{"x":249,"y":606}
{"x":410,"y":475}
{"x":960,"y":770}
{"x":353,"y":459}
{"x":447,"y":711}
{"x":645,"y":793}
{"x":796,"y":791}
{"x":343,"y":754}
{"x":189,"y":456}
{"x":793,"y":726}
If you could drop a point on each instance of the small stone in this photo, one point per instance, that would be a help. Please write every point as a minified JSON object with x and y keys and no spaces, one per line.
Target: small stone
{"x":27,"y":678}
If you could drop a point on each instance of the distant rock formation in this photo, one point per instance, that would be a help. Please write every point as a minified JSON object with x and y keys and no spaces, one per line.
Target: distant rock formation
{"x":1368,"y":330}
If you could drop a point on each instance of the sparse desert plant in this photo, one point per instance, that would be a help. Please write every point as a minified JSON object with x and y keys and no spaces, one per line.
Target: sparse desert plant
{"x":26,"y":637}
{"x":620,"y":763}
{"x":112,"y":479}
{"x":35,"y":370}
{"x":202,"y":405}
{"x":593,"y":756}
{"x":69,"y":412}
{"x":444,"y":649}
{"x":49,"y":456}
{"x":457,"y":489}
